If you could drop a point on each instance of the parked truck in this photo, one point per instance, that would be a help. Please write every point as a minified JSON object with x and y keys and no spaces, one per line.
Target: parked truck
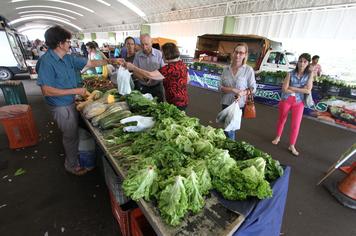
{"x":264,"y":54}
{"x":12,"y":60}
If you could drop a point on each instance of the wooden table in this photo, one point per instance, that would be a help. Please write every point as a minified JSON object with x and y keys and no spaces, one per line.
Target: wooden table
{"x":214,"y":219}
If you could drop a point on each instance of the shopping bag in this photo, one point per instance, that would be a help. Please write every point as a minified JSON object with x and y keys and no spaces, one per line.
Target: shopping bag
{"x":123,"y":81}
{"x":143,"y":123}
{"x":230,"y":117}
{"x":250,"y":109}
{"x":308,"y":100}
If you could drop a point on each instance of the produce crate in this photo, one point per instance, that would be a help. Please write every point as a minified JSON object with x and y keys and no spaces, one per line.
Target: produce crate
{"x":114,"y":182}
{"x":121,"y":216}
{"x":139,"y":225}
{"x":19,"y":125}
{"x":14,"y":92}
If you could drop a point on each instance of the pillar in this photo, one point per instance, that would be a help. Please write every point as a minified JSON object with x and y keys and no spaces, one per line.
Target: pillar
{"x":229,"y":24}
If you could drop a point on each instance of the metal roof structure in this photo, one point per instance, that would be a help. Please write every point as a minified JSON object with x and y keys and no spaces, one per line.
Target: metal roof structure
{"x":116,"y":15}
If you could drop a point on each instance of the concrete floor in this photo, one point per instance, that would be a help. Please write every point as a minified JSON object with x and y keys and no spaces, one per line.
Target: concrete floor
{"x":46,"y":199}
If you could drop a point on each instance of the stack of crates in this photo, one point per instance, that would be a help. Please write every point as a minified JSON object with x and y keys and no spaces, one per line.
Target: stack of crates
{"x":120,"y":215}
{"x":14,"y":92}
{"x":139,"y":226}
{"x":19,"y":125}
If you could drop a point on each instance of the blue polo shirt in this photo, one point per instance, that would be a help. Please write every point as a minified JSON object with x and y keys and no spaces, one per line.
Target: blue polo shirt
{"x":59,"y":73}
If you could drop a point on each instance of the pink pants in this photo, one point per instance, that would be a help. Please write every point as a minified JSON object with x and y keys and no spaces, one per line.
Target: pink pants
{"x":297,"y":109}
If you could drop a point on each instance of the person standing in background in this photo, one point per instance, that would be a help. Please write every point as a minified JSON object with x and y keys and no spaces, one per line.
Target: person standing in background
{"x":94,"y":54}
{"x":83,"y":47}
{"x":174,"y":75}
{"x":237,"y":81}
{"x":314,"y":66}
{"x":296,"y":84}
{"x":57,"y":77}
{"x":149,"y":59}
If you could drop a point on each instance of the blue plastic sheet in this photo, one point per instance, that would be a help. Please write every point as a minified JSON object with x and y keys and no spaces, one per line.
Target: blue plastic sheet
{"x":266,"y":217}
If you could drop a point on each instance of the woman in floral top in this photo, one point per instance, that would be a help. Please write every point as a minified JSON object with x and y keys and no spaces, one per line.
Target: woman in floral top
{"x":174,"y":75}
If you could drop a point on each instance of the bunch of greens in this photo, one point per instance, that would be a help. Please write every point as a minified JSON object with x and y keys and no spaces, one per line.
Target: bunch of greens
{"x":243,"y":180}
{"x":137,"y":102}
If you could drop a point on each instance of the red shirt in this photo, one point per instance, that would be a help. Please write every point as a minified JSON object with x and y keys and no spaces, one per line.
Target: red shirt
{"x":175,"y":83}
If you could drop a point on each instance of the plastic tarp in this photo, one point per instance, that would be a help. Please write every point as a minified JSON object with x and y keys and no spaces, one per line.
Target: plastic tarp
{"x":266,"y":217}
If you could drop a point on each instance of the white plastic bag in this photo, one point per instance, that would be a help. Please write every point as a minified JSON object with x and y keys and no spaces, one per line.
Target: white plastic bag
{"x":230,"y":117}
{"x":148,"y":96}
{"x":143,"y":123}
{"x":308,"y":100}
{"x":123,"y":81}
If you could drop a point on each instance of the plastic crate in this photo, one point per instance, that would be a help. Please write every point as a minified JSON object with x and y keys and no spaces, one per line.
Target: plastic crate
{"x":139,"y":225}
{"x":14,"y":92}
{"x":121,"y":216}
{"x":114,"y":182}
{"x":19,"y":125}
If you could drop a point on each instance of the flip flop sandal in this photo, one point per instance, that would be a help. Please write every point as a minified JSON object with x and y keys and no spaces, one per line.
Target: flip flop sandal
{"x":78,"y":171}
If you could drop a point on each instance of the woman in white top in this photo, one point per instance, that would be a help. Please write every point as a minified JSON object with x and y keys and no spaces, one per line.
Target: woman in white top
{"x":237,"y":81}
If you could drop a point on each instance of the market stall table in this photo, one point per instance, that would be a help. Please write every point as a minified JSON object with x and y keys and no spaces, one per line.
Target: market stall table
{"x":214,"y":219}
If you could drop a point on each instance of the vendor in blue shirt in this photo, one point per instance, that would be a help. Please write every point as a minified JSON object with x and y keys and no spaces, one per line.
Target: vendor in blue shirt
{"x":58,"y":77}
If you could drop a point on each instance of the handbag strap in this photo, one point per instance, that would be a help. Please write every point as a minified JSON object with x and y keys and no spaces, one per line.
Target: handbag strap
{"x":250,"y":96}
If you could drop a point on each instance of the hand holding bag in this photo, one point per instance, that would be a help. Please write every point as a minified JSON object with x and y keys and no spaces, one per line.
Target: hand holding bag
{"x":250,"y":109}
{"x":308,"y":100}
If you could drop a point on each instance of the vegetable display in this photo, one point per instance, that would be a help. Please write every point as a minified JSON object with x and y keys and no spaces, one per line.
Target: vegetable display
{"x":178,"y":161}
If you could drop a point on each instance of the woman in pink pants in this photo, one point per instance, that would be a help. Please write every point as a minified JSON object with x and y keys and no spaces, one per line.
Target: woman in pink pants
{"x":296,"y":84}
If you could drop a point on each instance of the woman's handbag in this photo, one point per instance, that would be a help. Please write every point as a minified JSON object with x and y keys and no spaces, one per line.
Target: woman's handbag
{"x":250,"y":109}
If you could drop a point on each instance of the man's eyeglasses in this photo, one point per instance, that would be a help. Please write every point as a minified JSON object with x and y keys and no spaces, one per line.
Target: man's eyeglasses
{"x":68,"y":41}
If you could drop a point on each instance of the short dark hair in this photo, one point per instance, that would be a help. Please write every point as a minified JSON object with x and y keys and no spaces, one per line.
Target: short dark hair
{"x":130,"y":38}
{"x":90,"y":45}
{"x":170,"y":51}
{"x":315,"y":57}
{"x":56,"y":35}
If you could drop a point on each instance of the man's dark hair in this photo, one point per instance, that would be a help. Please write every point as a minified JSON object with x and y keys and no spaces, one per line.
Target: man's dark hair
{"x":56,"y":35}
{"x":130,"y":38}
{"x":315,"y":57}
{"x":170,"y":51}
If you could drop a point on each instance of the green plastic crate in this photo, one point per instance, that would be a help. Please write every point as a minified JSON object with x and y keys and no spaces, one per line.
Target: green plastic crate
{"x":14,"y":92}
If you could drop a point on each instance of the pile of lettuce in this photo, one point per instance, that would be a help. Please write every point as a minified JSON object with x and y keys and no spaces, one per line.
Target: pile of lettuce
{"x":178,"y":161}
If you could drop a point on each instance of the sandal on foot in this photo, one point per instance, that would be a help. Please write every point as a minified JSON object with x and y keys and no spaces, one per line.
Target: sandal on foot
{"x":78,"y":171}
{"x":275,"y":141}
{"x":293,"y":151}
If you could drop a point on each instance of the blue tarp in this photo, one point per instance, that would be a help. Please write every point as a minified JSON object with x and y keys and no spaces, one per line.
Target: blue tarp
{"x":266,"y":217}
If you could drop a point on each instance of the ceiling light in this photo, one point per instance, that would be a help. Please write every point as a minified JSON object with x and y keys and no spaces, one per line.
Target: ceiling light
{"x":132,"y":7}
{"x":46,"y":18}
{"x":31,"y":27}
{"x":45,"y":6}
{"x":103,"y":2}
{"x":52,"y":12}
{"x":56,"y":17}
{"x":73,"y":4}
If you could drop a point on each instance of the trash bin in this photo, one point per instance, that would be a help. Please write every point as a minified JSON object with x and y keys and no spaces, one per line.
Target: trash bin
{"x":14,"y":92}
{"x":19,"y":125}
